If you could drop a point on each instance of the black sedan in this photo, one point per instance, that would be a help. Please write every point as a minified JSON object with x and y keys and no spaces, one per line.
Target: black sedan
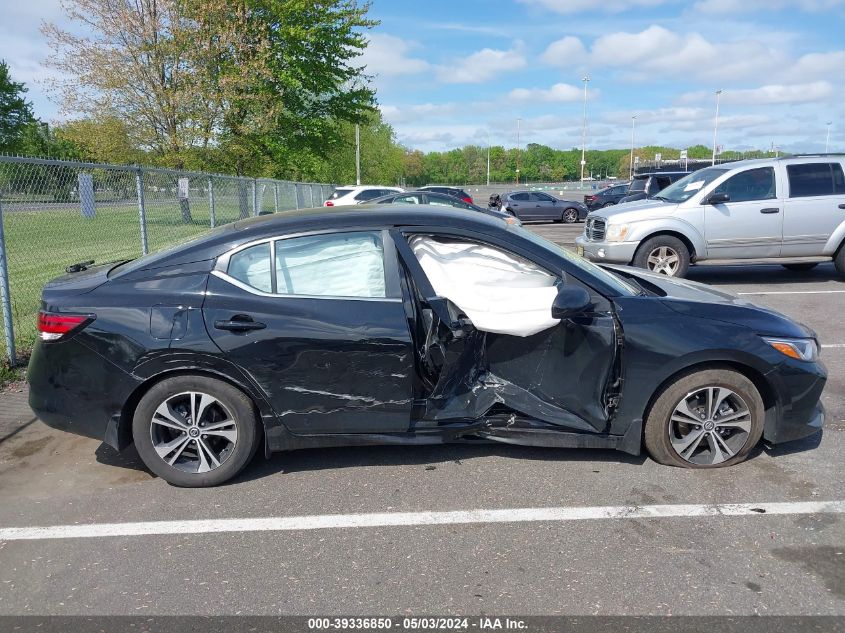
{"x":424,"y":196}
{"x":537,"y":206}
{"x":606,"y":197}
{"x":385,"y":325}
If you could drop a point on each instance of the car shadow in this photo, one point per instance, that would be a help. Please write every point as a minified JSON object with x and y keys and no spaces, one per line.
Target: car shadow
{"x":744,"y":274}
{"x":315,"y":459}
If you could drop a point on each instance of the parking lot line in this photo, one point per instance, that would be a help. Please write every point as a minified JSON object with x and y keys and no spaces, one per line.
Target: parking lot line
{"x":833,"y":345}
{"x":793,"y":292}
{"x":399,"y":519}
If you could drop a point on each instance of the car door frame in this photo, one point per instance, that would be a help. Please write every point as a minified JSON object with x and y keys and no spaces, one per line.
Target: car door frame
{"x":400,"y":238}
{"x":393,"y":296}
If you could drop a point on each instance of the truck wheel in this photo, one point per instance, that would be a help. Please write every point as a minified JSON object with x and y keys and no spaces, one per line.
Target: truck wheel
{"x":839,"y":261}
{"x":663,"y":254}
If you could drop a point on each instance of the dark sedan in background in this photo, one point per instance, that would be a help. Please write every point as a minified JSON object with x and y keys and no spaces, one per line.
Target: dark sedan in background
{"x":649,"y":185}
{"x":323,"y":327}
{"x":437,"y":200}
{"x":607,"y":196}
{"x":538,"y":206}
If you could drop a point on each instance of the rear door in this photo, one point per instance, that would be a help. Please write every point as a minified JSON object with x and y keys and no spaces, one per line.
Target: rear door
{"x":814,"y":208}
{"x":318,"y":322}
{"x":750,"y":224}
{"x":521,"y":205}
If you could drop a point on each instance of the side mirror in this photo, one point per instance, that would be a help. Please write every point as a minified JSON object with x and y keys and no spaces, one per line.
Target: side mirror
{"x":718,"y":198}
{"x":570,"y":301}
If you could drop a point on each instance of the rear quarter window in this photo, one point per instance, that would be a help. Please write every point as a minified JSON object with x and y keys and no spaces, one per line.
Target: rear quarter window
{"x":815,"y":179}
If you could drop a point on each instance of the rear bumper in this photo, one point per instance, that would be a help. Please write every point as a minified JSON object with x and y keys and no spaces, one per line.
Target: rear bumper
{"x":610,"y":252}
{"x":74,"y":389}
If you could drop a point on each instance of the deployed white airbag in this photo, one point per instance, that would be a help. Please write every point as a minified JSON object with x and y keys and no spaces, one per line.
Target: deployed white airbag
{"x":499,"y":292}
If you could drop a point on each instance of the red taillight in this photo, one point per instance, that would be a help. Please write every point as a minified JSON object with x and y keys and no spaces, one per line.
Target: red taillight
{"x":53,"y":326}
{"x":328,"y":203}
{"x":468,"y":200}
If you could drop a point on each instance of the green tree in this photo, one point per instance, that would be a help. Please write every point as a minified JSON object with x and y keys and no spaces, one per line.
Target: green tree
{"x":15,"y":111}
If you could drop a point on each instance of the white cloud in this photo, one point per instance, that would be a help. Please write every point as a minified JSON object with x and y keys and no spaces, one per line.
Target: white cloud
{"x":564,"y":52}
{"x":410,"y":113}
{"x":747,"y":6}
{"x":482,"y":65}
{"x":580,"y":6}
{"x":387,"y":55}
{"x":558,"y":93}
{"x":773,"y":94}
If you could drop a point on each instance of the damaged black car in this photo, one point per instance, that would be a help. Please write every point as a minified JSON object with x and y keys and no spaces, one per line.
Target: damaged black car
{"x":409,"y":325}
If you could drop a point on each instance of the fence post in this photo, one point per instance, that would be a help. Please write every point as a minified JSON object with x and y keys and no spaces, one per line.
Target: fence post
{"x":310,"y":196}
{"x":255,"y":197}
{"x":142,"y":210}
{"x":211,"y":202}
{"x":6,"y":297}
{"x":275,"y":197}
{"x":296,"y":195}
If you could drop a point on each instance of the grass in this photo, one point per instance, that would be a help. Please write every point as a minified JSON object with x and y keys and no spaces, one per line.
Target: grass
{"x":41,"y":243}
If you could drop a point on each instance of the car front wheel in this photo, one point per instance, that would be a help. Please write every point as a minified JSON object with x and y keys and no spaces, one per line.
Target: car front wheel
{"x":663,"y":254}
{"x":705,"y":419}
{"x":195,"y":431}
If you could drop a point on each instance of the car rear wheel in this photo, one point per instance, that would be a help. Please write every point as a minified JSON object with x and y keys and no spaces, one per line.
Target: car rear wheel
{"x":195,"y":431}
{"x":663,"y":254}
{"x":607,"y":204}
{"x":800,"y":267}
{"x":705,"y":419}
{"x":570,"y":216}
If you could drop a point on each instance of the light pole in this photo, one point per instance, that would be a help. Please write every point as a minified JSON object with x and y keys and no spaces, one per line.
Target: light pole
{"x":488,"y":158}
{"x":586,"y":80}
{"x":518,"y":122}
{"x":716,"y":125}
{"x":357,"y":154}
{"x":631,"y":171}
{"x":827,"y":140}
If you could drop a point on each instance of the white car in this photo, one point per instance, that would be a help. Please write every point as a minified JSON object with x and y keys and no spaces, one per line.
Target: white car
{"x":356,"y":194}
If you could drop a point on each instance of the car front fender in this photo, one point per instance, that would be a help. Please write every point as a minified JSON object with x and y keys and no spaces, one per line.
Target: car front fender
{"x":644,"y":229}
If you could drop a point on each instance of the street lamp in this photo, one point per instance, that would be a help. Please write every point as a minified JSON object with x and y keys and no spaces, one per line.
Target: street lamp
{"x":716,"y":125}
{"x":488,"y":158}
{"x":518,"y":121}
{"x":586,"y":80}
{"x":633,"y":123}
{"x":827,"y":140}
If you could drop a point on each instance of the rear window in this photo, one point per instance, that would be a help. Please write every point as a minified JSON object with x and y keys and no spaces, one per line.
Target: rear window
{"x":638,"y":184}
{"x":815,"y":179}
{"x":339,"y":193}
{"x":369,"y":194}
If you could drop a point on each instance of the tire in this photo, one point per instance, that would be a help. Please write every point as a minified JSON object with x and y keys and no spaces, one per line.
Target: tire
{"x":839,"y":261}
{"x":164,"y":415}
{"x":663,"y":254}
{"x":569,"y":216}
{"x":800,"y":267}
{"x":671,"y":441}
{"x":607,"y":204}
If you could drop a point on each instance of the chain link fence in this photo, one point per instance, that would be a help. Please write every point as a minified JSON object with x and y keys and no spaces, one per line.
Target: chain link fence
{"x":57,"y":213}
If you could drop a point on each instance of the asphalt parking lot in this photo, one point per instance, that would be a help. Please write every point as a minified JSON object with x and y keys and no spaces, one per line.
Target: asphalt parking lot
{"x":774,"y":554}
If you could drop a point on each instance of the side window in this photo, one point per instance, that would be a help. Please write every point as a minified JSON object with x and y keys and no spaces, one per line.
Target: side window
{"x":252,"y":267}
{"x":520,"y":197}
{"x":748,"y":185}
{"x":407,"y":200}
{"x":368,"y":194}
{"x":815,"y":179}
{"x":334,"y":265}
{"x":542,"y":197}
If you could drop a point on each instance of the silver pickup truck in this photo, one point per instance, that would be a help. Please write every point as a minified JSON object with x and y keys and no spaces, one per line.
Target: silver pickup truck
{"x":790,"y":210}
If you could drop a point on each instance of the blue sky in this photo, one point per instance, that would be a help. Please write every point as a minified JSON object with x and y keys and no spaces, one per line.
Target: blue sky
{"x":452,"y":73}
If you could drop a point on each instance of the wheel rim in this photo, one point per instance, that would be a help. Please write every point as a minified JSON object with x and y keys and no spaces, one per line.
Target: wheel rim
{"x":570,"y":216}
{"x":709,"y":425}
{"x":193,"y":432}
{"x":664,"y":260}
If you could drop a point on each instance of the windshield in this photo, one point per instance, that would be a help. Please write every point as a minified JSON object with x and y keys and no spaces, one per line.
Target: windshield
{"x":614,"y":281}
{"x":688,"y":186}
{"x":638,"y":184}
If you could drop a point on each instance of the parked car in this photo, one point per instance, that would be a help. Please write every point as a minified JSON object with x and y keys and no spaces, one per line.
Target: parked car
{"x":649,"y":185}
{"x":437,"y":200}
{"x":408,"y":325}
{"x":356,"y":194}
{"x":535,"y":206}
{"x":787,"y":208}
{"x":607,"y":196}
{"x":449,"y":191}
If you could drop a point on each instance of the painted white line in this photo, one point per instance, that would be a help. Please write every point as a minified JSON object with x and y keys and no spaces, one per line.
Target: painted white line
{"x":793,"y":292}
{"x":833,"y":345}
{"x":397,"y":519}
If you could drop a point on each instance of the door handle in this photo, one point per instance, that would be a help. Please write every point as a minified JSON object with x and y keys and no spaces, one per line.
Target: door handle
{"x":239,"y":323}
{"x":842,"y":206}
{"x":770,"y":210}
